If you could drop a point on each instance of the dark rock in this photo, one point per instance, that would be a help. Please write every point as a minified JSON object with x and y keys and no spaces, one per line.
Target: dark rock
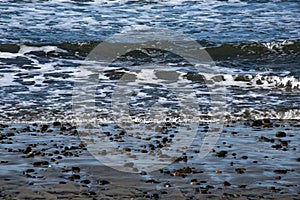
{"x":43,"y":127}
{"x":75,"y":169}
{"x":240,"y":170}
{"x":40,"y":163}
{"x":85,"y":181}
{"x":56,"y":124}
{"x":225,"y":183}
{"x":73,"y":177}
{"x":280,"y":134}
{"x":221,"y":154}
{"x":277,"y":146}
{"x":242,"y":78}
{"x":263,"y":138}
{"x":280,"y":171}
{"x":257,"y":123}
{"x":187,"y":170}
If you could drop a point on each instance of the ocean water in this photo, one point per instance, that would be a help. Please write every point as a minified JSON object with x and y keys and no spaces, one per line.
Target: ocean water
{"x":254,"y":46}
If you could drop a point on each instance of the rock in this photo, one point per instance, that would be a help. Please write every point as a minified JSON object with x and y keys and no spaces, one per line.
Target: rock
{"x":40,"y":163}
{"x":225,"y":184}
{"x":221,"y":154}
{"x":242,"y":78}
{"x":280,"y":171}
{"x":176,"y":173}
{"x":194,"y":182}
{"x":284,"y":143}
{"x":277,"y":177}
{"x":103,"y":182}
{"x":127,"y":149}
{"x":257,"y":123}
{"x":85,"y":181}
{"x":277,"y":146}
{"x":236,"y":195}
{"x":56,"y":123}
{"x":187,"y":170}
{"x":280,"y":134}
{"x":245,"y":157}
{"x":240,"y":170}
{"x":73,"y":177}
{"x":167,"y":185}
{"x":264,"y":139}
{"x":75,"y":169}
{"x":43,"y":127}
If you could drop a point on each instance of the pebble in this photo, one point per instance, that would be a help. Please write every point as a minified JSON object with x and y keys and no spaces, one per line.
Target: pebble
{"x":56,"y":123}
{"x":240,"y":170}
{"x":43,"y":127}
{"x":103,"y":182}
{"x":280,"y":171}
{"x":194,"y":182}
{"x":245,"y":157}
{"x":167,"y":185}
{"x":179,"y":174}
{"x":280,"y":134}
{"x":236,"y":195}
{"x":225,"y":183}
{"x":221,"y":154}
{"x":85,"y":181}
{"x":40,"y":163}
{"x":277,"y":177}
{"x":75,"y":169}
{"x":73,"y":177}
{"x":257,"y":123}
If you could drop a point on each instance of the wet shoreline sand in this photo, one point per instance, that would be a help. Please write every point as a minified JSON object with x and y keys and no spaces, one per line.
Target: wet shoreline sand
{"x":252,"y":160}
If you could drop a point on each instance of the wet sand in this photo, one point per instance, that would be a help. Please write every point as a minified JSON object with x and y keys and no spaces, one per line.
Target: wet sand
{"x":252,"y":160}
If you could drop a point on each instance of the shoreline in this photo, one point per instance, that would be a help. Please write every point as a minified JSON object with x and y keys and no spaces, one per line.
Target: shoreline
{"x":248,"y":162}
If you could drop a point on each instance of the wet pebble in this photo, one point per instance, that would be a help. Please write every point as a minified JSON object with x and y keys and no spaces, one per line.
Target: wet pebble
{"x":280,"y":171}
{"x":40,"y":163}
{"x":240,"y":170}
{"x":103,"y":182}
{"x":226,"y":183}
{"x":56,"y":123}
{"x":73,"y":177}
{"x":277,"y":177}
{"x":221,"y":154}
{"x":167,"y":185}
{"x":280,"y":134}
{"x":194,"y":182}
{"x":75,"y":169}
{"x":85,"y":181}
{"x":179,"y":174}
{"x":43,"y":127}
